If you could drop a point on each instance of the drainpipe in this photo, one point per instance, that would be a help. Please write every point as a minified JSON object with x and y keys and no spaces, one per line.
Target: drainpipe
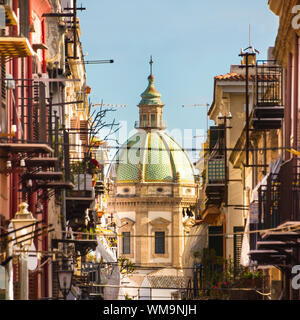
{"x":44,"y":65}
{"x":15,"y":180}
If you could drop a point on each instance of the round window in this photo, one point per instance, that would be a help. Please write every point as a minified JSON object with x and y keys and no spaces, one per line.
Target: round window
{"x":126,"y":190}
{"x":160,"y":189}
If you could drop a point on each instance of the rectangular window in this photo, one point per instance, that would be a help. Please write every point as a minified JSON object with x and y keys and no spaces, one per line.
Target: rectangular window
{"x":144,"y":124}
{"x":159,"y":242}
{"x":153,"y":119}
{"x":126,"y":242}
{"x":215,"y":239}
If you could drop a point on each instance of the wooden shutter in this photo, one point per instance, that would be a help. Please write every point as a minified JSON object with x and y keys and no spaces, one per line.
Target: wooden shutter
{"x":33,"y":286}
{"x":24,"y":18}
{"x":237,"y":247}
{"x":83,"y":130}
{"x":16,"y":281}
{"x":55,"y":284}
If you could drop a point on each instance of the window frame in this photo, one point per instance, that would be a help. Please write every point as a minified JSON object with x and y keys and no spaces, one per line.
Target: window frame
{"x":157,"y":244}
{"x":126,"y":235}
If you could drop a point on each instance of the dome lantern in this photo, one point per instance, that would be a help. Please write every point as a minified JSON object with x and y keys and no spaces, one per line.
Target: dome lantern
{"x":151,"y":115}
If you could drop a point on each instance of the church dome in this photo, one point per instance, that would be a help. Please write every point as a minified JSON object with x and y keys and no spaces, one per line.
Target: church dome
{"x":152,"y":157}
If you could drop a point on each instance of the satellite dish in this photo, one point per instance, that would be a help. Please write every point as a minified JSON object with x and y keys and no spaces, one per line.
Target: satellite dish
{"x":32,"y":258}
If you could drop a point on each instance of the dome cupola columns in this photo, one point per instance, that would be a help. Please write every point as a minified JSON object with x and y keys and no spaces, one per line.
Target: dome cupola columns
{"x":151,"y":115}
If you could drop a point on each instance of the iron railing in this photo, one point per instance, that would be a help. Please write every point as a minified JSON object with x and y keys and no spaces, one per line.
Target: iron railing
{"x":269,"y":83}
{"x":279,"y":199}
{"x":146,"y":124}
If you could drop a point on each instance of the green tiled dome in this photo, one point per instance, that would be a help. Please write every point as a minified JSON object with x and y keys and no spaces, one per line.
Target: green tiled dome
{"x":153,"y":156}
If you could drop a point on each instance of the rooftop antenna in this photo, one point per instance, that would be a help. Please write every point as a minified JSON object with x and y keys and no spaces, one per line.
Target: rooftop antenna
{"x":250,"y":35}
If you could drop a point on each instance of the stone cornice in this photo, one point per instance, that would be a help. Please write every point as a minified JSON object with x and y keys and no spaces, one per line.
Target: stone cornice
{"x":159,"y":221}
{"x":284,"y":40}
{"x":275,"y":6}
{"x":151,"y":202}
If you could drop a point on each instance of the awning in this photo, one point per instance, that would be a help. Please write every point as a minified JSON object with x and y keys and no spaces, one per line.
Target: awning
{"x":57,"y":185}
{"x":44,"y":175}
{"x":15,"y":47}
{"x":44,"y":162}
{"x":26,"y":147}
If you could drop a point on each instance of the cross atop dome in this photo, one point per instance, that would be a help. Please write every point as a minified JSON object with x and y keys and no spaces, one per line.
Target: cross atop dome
{"x":151,"y":62}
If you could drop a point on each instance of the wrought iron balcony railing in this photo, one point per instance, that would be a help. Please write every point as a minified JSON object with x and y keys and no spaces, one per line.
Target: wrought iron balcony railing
{"x":147,"y":125}
{"x":269,"y":83}
{"x":279,"y":199}
{"x":268,"y":109}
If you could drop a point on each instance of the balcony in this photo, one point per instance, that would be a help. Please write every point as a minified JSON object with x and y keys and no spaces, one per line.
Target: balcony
{"x":15,"y":47}
{"x":80,"y":199}
{"x":150,"y":125}
{"x":279,"y":200}
{"x":268,"y":110}
{"x":215,"y":181}
{"x":278,"y":207}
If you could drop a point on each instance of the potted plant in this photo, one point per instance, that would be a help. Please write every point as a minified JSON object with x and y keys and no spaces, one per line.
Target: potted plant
{"x":94,"y":166}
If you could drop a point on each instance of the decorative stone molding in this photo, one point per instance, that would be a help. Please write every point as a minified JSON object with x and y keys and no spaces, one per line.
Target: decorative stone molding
{"x":127,"y":225}
{"x":159,"y":225}
{"x":284,"y":42}
{"x":158,"y":222}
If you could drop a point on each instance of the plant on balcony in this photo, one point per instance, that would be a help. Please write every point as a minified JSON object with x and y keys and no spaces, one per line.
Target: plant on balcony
{"x":217,"y":275}
{"x":220,"y":290}
{"x":126,"y":267}
{"x":250,"y":279}
{"x":78,"y":167}
{"x":94,"y":166}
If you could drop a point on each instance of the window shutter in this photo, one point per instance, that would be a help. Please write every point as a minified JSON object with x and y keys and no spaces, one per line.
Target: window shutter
{"x":33,"y":286}
{"x":55,"y":284}
{"x":237,"y":246}
{"x":83,"y":130}
{"x":24,"y":18}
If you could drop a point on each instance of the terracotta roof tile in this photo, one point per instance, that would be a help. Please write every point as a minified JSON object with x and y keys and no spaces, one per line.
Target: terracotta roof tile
{"x":233,"y":76}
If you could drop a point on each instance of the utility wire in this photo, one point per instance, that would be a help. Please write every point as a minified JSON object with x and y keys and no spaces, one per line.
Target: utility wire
{"x":292,"y":227}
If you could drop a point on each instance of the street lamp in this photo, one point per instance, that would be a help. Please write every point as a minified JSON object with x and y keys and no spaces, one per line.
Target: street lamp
{"x":24,"y":226}
{"x":65,"y":275}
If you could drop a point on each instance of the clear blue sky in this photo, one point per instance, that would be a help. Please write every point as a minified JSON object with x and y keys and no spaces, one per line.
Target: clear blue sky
{"x":190,"y":41}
